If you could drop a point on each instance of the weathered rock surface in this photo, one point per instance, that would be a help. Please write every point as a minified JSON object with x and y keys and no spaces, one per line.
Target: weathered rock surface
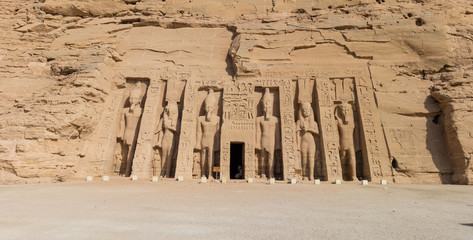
{"x":66,"y":66}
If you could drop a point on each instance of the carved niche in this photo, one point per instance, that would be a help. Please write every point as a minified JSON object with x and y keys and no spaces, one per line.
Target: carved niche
{"x":287,"y":165}
{"x":168,"y":131}
{"x":350,"y":127}
{"x":202,"y":102}
{"x":307,"y":130}
{"x":130,"y":124}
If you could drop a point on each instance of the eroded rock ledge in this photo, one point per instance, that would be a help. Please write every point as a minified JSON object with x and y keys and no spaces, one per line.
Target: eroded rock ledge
{"x":67,"y":69}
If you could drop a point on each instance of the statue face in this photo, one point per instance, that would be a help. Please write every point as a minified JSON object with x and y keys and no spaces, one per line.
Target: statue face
{"x":209,"y":109}
{"x":171,"y":109}
{"x":134,"y":99}
{"x":306,"y":111}
{"x":345,"y":109}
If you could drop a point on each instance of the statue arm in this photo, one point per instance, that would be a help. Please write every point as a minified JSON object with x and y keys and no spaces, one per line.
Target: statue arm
{"x":173,"y":128}
{"x":198,"y":136}
{"x":298,"y":126}
{"x":314,"y":129}
{"x":217,"y":137}
{"x":158,"y":132}
{"x":159,"y":127}
{"x":178,"y":126}
{"x":121,"y":132}
{"x":258,"y":134}
{"x":298,"y":134}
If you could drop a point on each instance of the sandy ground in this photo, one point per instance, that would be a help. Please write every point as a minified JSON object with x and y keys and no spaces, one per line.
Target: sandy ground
{"x":122,"y":209}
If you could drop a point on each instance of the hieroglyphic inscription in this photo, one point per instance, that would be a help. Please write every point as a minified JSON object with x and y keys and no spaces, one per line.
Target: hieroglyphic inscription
{"x":328,"y":132}
{"x":288,"y":135}
{"x":102,"y":148}
{"x":187,"y":138}
{"x":142,"y":161}
{"x":238,"y":125}
{"x":376,"y":150}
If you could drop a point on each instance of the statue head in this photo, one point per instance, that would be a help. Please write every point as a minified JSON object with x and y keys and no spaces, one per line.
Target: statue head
{"x":306,"y":109}
{"x":345,"y":108}
{"x":209,"y":102}
{"x":345,"y":112}
{"x":135,"y":96}
{"x":267,"y":102}
{"x":171,"y":108}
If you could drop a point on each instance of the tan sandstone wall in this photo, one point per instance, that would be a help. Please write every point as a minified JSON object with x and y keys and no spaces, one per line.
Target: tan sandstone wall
{"x":64,"y":66}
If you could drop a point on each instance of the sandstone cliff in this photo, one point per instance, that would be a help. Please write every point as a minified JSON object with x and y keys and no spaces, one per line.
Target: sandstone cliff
{"x":62,"y":61}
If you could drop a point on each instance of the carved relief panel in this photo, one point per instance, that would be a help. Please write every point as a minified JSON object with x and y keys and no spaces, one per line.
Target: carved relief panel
{"x":351,"y":134}
{"x":286,"y":122}
{"x":200,"y":119}
{"x":167,"y":131}
{"x":142,"y":161}
{"x":104,"y":149}
{"x":307,"y":131}
{"x":237,"y":130}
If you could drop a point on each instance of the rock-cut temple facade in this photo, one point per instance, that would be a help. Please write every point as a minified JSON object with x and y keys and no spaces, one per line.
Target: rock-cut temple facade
{"x":282,"y":89}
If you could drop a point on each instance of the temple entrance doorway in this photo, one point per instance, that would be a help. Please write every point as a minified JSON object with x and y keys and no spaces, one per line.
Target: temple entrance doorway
{"x":236,"y":160}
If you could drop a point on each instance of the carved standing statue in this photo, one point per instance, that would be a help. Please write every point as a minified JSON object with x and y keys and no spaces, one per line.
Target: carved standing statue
{"x":168,"y":129}
{"x":307,"y":130}
{"x":117,"y":160}
{"x":129,"y":126}
{"x":267,"y":131}
{"x":346,"y":128}
{"x":207,"y":134}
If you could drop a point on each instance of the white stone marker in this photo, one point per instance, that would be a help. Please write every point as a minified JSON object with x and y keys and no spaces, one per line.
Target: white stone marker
{"x":317,"y":181}
{"x":203,"y":179}
{"x":250,"y":180}
{"x":180,"y":178}
{"x":106,"y":178}
{"x":293,"y":181}
{"x":154,"y":178}
{"x":89,"y":179}
{"x":384,"y":182}
{"x":272,"y":181}
{"x":134,"y":178}
{"x":364,"y":182}
{"x":224,"y":180}
{"x":338,"y":181}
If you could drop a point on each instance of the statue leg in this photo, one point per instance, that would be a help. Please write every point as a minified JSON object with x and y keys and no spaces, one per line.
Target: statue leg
{"x":163,"y":164}
{"x":168,"y":156}
{"x":352,"y":162}
{"x":343,"y":162}
{"x":261,"y":163}
{"x":210,"y":156}
{"x":304,"y":161}
{"x":311,"y":161}
{"x":129,"y":158}
{"x":271,"y":163}
{"x":203,"y":159}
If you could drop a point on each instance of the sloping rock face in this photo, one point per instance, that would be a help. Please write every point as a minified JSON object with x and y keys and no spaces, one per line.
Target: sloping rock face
{"x":67,"y":68}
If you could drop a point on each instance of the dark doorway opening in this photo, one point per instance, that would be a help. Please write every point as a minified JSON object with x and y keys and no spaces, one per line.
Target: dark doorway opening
{"x":236,"y":161}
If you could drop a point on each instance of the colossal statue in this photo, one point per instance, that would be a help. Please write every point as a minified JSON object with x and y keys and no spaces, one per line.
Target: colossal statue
{"x":307,"y":130}
{"x":267,"y":133}
{"x":346,"y":127}
{"x":207,"y":135}
{"x":129,"y":126}
{"x":168,"y":129}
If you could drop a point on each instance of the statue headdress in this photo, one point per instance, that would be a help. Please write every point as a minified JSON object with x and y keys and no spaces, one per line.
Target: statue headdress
{"x":267,"y":98}
{"x":210,"y":99}
{"x":136,"y":92}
